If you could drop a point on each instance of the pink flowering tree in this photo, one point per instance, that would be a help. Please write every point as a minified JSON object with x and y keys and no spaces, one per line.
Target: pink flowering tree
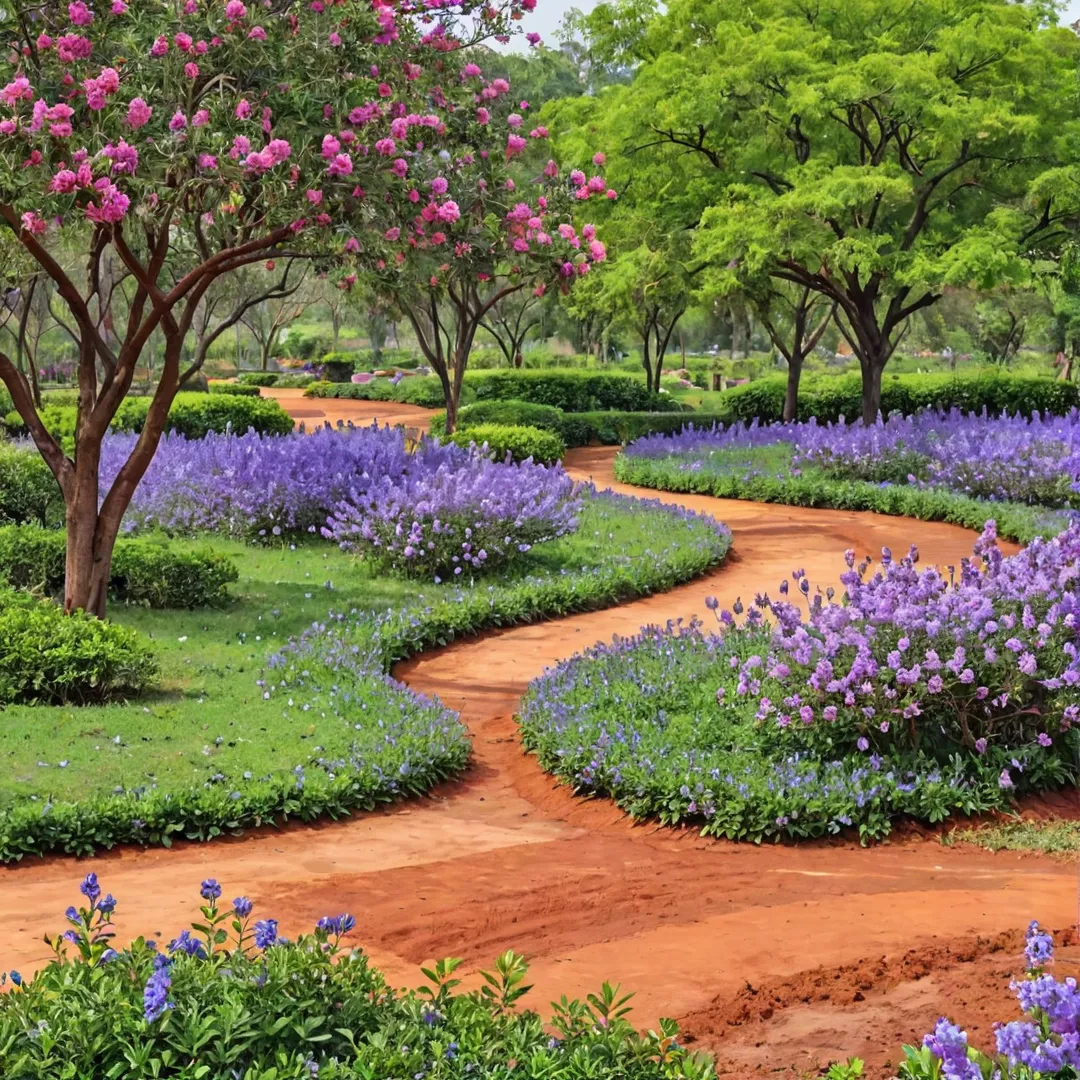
{"x":466,"y":225}
{"x":147,"y":149}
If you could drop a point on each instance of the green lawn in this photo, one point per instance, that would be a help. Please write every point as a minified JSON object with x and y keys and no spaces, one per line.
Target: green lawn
{"x":209,"y":721}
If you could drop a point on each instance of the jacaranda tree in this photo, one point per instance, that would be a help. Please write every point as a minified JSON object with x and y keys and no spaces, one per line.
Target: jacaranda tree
{"x":147,"y":149}
{"x":486,"y":218}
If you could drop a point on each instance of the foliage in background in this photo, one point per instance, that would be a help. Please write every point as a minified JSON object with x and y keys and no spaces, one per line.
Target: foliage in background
{"x":519,"y":441}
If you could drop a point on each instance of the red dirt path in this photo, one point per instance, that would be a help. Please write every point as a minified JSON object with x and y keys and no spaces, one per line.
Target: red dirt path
{"x":778,"y":959}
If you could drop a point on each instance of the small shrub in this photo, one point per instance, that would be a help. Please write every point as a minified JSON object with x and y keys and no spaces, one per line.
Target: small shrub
{"x":619,"y":428}
{"x":144,"y":571}
{"x":229,"y":997}
{"x":335,"y":368}
{"x":51,"y":658}
{"x":29,"y":493}
{"x":194,"y":415}
{"x":258,"y":378}
{"x":572,"y":428}
{"x":239,"y":389}
{"x":520,"y":442}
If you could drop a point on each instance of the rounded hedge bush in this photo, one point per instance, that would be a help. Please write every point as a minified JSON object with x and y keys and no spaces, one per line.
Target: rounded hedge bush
{"x":145,"y":571}
{"x":239,"y":389}
{"x":29,"y":493}
{"x":50,"y":658}
{"x":520,"y":442}
{"x":570,"y":427}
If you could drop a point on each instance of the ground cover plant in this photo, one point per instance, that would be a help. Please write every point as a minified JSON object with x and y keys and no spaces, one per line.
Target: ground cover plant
{"x":231,"y":996}
{"x":924,"y":693}
{"x":950,"y":466}
{"x":228,"y":740}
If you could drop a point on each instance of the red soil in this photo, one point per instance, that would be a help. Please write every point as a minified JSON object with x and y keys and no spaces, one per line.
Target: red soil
{"x":778,"y":959}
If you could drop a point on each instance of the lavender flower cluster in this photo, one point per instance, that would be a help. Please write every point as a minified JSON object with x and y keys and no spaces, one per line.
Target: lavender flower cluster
{"x":915,"y":691}
{"x":1032,"y":460}
{"x":913,"y":657}
{"x":438,"y":509}
{"x":1047,"y":1043}
{"x":453,"y":510}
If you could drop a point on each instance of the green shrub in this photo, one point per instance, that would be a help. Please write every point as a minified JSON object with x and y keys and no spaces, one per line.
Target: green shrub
{"x":830,"y":397}
{"x":145,"y":571}
{"x":305,"y":345}
{"x":619,"y":428}
{"x":544,"y":447}
{"x":29,"y":493}
{"x":423,"y":390}
{"x":239,"y":389}
{"x":570,"y":427}
{"x":192,"y":414}
{"x":52,"y":658}
{"x":336,"y":367}
{"x":258,"y":378}
{"x":570,"y":390}
{"x":235,"y":1000}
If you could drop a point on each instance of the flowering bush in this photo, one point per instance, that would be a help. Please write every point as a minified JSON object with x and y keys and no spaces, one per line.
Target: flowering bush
{"x":1046,"y":1043}
{"x":921,"y":693}
{"x":233,"y":994}
{"x":453,"y":509}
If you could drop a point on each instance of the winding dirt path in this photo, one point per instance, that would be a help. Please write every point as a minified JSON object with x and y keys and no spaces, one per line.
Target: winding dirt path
{"x":778,"y":959}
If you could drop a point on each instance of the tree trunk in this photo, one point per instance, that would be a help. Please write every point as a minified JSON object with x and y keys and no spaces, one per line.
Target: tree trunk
{"x":791,"y":394}
{"x":871,"y":391}
{"x":518,"y":359}
{"x":450,"y":400}
{"x":264,"y":354}
{"x":90,"y":541}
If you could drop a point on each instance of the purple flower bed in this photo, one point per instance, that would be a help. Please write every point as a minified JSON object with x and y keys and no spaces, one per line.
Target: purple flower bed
{"x":440,"y":509}
{"x":1001,"y":458}
{"x":455,"y":511}
{"x":922,"y":693}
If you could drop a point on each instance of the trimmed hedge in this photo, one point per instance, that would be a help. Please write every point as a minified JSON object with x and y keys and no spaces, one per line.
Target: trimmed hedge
{"x":570,"y":390}
{"x":282,"y":380}
{"x":423,"y":390}
{"x":570,"y":427}
{"x":829,"y":398}
{"x":145,"y":571}
{"x":619,"y":428}
{"x":51,"y":658}
{"x":29,"y":493}
{"x":520,"y":442}
{"x":192,"y":414}
{"x":234,"y":388}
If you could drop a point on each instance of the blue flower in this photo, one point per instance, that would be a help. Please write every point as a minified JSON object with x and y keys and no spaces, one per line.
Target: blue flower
{"x":156,"y":993}
{"x":265,"y":933}
{"x":90,"y":887}
{"x":210,"y":889}
{"x":242,"y":907}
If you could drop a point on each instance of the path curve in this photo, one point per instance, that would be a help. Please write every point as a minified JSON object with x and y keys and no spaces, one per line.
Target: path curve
{"x":777,"y":958}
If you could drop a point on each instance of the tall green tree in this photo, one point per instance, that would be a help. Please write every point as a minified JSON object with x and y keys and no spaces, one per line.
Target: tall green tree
{"x":870,"y":151}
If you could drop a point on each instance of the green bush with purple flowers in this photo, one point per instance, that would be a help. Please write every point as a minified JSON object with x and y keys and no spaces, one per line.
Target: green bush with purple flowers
{"x":922,"y":693}
{"x":230,"y":996}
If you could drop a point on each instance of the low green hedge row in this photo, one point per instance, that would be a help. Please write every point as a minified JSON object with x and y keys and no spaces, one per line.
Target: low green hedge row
{"x":238,"y":389}
{"x":50,"y":658}
{"x":192,"y":414}
{"x":1015,"y":521}
{"x":280,"y":379}
{"x":520,"y":442}
{"x":145,"y":570}
{"x":829,"y":398}
{"x":569,"y":390}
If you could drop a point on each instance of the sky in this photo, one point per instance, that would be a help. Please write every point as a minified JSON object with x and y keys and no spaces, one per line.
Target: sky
{"x":548,"y":14}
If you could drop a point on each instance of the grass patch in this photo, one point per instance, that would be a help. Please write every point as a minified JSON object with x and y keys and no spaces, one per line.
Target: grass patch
{"x":1042,"y":837}
{"x":212,"y":750}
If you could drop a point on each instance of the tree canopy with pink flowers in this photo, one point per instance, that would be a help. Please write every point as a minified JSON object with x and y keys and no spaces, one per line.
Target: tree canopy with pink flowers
{"x":147,"y":149}
{"x":467,"y":228}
